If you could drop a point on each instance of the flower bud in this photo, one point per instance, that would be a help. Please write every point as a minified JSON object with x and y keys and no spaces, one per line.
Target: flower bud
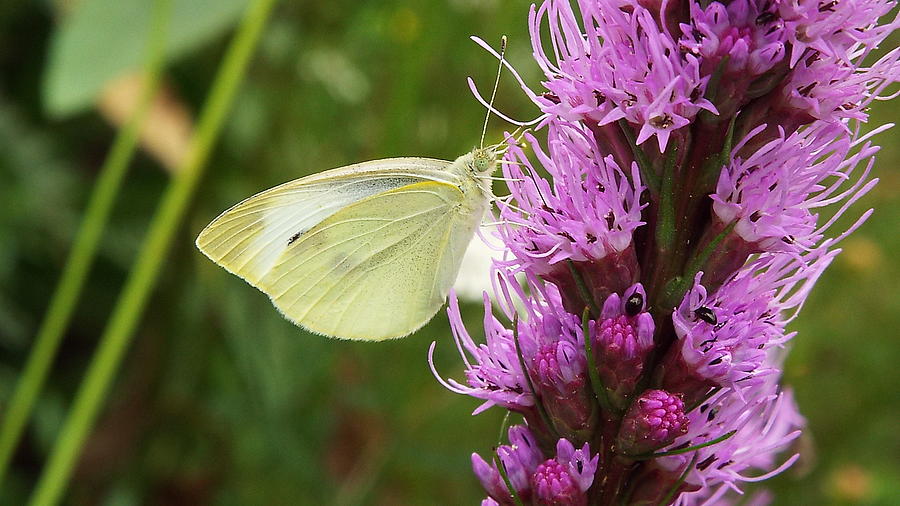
{"x":654,"y":420}
{"x":559,"y":372}
{"x":520,"y":459}
{"x":553,"y":485}
{"x":564,"y":480}
{"x":621,"y":343}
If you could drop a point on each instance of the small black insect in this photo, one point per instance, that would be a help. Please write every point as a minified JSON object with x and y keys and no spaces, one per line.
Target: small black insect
{"x":706,"y":314}
{"x":634,"y":304}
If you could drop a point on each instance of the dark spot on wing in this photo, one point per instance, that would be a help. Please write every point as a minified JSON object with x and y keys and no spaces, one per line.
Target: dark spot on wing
{"x":295,"y":237}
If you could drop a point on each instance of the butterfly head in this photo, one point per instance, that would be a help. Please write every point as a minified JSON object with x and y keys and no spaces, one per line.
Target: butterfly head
{"x":484,"y":161}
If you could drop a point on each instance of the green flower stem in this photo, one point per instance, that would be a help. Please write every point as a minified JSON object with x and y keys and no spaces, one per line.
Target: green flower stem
{"x":583,"y":289}
{"x":648,"y":456}
{"x":65,"y":297}
{"x":679,"y":285}
{"x":501,"y":467}
{"x":143,"y":276}
{"x":665,"y":228}
{"x":648,"y":175}
{"x":680,"y":481}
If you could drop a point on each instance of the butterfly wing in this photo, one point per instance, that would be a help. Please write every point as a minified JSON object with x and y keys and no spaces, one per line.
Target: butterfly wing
{"x":379,"y":268}
{"x":367,"y":251}
{"x":248,"y":238}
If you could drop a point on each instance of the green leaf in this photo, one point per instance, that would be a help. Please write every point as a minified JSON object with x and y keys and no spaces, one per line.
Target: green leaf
{"x":104,"y":39}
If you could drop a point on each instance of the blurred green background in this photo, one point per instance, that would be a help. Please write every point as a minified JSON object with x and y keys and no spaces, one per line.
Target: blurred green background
{"x":222,"y":401}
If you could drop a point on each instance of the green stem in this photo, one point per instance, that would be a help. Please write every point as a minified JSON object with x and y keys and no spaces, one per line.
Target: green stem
{"x":674,"y":489}
{"x":504,"y":425}
{"x":712,"y":168}
{"x":717,"y":440}
{"x":679,"y":285}
{"x":665,"y":227}
{"x":501,"y":468}
{"x":702,"y":257}
{"x":143,"y":276}
{"x":583,"y":289}
{"x":648,"y":175}
{"x":96,"y":216}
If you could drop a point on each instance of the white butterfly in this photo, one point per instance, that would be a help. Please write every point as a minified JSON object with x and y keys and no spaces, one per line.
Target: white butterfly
{"x":368,"y":251}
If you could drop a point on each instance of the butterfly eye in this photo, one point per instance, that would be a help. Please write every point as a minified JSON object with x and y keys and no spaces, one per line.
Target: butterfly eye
{"x":482,"y":162}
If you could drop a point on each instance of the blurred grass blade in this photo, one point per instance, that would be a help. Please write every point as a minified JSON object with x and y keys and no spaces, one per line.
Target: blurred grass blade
{"x":84,"y":249}
{"x":142,"y":279}
{"x":101,"y":40}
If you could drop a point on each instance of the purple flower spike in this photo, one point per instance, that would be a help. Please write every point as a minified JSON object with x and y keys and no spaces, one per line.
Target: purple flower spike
{"x":687,"y":256}
{"x":654,"y":420}
{"x":495,"y":375}
{"x":560,"y":374}
{"x":833,"y":89}
{"x":833,"y":28}
{"x":829,"y":77}
{"x":733,"y":42}
{"x":735,"y":34}
{"x":587,"y":215}
{"x":579,"y":462}
{"x":559,"y":365}
{"x":772,"y":197}
{"x":489,"y":477}
{"x":621,"y":340}
{"x":552,"y":348}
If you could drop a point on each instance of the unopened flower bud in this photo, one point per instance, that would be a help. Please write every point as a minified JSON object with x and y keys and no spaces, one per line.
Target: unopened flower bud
{"x":564,"y":480}
{"x":654,"y":420}
{"x":520,"y":458}
{"x":560,"y":376}
{"x":621,"y":342}
{"x":553,"y":485}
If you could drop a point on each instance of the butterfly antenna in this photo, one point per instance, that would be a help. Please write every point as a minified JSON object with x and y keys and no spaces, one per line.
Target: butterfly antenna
{"x":494,"y":92}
